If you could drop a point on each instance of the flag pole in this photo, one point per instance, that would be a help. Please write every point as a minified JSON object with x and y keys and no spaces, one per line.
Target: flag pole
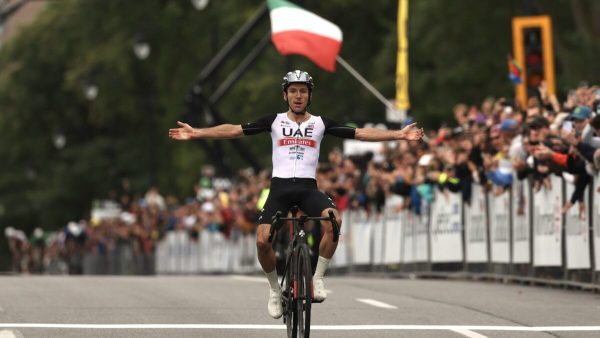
{"x":365,"y":83}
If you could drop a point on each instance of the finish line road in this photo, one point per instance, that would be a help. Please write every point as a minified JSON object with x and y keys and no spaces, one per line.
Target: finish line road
{"x":236,"y":306}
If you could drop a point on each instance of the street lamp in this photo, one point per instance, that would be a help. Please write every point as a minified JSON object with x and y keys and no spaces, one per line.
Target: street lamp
{"x":141,"y":47}
{"x":59,"y":139}
{"x":200,"y":4}
{"x":89,"y":86}
{"x":90,"y":90}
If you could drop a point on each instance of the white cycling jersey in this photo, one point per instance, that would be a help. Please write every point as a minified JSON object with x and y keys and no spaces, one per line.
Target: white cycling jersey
{"x":296,"y":146}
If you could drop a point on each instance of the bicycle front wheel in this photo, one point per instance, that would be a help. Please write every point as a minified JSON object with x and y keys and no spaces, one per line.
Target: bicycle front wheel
{"x":304,"y":301}
{"x":290,"y":309}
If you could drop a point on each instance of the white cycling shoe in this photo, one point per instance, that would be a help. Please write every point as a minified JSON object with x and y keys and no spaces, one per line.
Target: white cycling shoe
{"x":319,"y":292}
{"x":275,"y":308}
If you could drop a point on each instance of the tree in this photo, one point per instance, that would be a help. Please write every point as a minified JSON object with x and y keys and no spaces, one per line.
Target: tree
{"x":457,"y":54}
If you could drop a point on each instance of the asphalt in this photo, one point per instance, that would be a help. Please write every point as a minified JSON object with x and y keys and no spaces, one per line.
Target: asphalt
{"x":235,"y":306}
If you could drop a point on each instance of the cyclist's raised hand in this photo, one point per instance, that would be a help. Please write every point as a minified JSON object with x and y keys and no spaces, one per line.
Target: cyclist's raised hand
{"x":184,"y":132}
{"x":411,"y":133}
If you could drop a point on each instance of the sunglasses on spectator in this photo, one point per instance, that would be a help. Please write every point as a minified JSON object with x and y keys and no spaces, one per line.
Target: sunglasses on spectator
{"x":534,"y":143}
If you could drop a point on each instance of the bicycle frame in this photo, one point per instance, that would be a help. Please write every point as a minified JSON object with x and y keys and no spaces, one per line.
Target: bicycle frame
{"x":299,"y":297}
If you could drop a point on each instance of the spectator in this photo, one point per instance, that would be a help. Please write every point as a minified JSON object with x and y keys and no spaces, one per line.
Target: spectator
{"x":486,"y":147}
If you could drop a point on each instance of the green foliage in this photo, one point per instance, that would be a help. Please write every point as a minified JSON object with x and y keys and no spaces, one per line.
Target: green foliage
{"x":457,"y":54}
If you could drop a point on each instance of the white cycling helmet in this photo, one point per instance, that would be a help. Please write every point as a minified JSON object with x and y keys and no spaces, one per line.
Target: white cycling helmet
{"x":297,"y":76}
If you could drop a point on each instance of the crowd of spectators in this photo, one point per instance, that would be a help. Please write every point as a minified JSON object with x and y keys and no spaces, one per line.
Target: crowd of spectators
{"x":491,"y":145}
{"x":121,"y":235}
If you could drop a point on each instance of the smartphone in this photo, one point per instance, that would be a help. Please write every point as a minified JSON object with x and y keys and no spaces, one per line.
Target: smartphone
{"x":567,"y":126}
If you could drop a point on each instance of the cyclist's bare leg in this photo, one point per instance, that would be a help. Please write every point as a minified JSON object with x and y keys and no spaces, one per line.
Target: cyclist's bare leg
{"x":326,"y":251}
{"x":266,"y":257}
{"x":328,"y":246}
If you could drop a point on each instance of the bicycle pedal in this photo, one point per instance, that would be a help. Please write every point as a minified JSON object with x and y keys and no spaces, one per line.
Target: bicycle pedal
{"x":318,"y":300}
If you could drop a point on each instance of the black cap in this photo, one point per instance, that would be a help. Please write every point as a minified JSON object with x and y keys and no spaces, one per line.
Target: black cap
{"x":539,"y":122}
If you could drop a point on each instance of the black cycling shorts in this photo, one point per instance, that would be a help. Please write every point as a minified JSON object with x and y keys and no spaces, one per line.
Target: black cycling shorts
{"x":287,"y":192}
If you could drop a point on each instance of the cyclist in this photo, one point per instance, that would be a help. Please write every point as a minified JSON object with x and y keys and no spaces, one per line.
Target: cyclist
{"x":296,"y":136}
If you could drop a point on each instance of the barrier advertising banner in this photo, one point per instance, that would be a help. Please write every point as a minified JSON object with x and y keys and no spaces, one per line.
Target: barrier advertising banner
{"x":499,"y":227}
{"x":409,"y":237}
{"x":376,"y":221}
{"x":393,"y":223}
{"x":577,"y":232}
{"x":547,"y":224}
{"x":421,"y":226}
{"x":415,"y":246}
{"x":161,"y":256}
{"x":248,"y":254}
{"x":521,"y":202}
{"x":596,"y":221}
{"x":179,"y":244}
{"x":476,"y":227}
{"x":214,"y":251}
{"x":361,"y":232}
{"x":446,"y":228}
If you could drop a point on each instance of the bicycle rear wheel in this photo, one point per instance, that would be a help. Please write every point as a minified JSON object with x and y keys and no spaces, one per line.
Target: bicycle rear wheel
{"x":304,"y":300}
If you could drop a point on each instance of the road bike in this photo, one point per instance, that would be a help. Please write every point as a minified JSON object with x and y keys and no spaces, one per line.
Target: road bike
{"x":297,"y":294}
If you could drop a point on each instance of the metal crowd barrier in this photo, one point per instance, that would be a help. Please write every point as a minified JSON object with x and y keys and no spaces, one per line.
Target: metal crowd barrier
{"x":211,"y":252}
{"x":518,"y":234}
{"x":121,"y":261}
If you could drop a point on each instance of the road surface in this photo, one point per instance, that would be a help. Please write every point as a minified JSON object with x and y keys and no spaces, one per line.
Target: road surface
{"x":235,"y":306}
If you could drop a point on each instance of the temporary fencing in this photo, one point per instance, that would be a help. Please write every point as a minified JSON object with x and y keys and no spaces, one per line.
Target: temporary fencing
{"x":518,"y":233}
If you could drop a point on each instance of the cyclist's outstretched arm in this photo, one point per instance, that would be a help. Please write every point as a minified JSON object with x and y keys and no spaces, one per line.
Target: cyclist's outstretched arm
{"x":409,"y":133}
{"x":224,"y":131}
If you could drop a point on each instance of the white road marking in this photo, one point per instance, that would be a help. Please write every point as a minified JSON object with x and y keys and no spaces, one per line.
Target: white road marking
{"x":251,"y":279}
{"x":313,"y":327}
{"x":261,"y":280}
{"x":376,"y":303}
{"x":469,"y":333}
{"x":7,"y":334}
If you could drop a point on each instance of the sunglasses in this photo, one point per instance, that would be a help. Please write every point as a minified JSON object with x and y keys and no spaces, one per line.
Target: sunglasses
{"x":534,"y":143}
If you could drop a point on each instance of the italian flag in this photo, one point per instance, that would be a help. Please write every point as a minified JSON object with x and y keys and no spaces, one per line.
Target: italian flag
{"x":298,"y":31}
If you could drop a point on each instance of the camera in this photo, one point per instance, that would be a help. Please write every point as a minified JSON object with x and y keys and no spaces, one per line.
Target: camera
{"x":457,"y":131}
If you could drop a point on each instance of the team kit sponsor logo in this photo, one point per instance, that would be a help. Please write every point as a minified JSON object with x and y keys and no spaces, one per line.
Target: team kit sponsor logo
{"x":297,"y":139}
{"x":299,"y":142}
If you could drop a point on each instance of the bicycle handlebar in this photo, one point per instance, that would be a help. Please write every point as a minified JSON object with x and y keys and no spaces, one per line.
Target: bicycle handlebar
{"x":335,"y":225}
{"x":276,"y":219}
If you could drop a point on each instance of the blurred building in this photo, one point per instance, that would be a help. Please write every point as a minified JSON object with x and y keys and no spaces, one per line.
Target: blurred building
{"x":15,"y":14}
